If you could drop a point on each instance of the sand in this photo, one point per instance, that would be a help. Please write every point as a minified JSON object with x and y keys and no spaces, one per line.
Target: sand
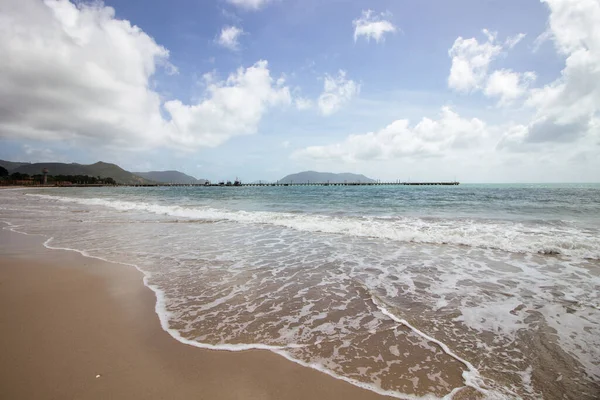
{"x":79,"y":328}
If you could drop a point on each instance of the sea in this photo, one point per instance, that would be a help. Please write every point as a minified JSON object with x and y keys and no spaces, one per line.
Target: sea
{"x":415,"y":292}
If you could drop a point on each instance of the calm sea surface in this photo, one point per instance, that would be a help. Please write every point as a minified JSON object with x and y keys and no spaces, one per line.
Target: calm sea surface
{"x":407,"y":291}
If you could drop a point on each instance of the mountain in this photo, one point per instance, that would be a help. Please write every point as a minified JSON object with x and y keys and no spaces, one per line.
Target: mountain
{"x":324,"y":177}
{"x":170,"y":177}
{"x":102,"y":169}
{"x":10,"y":165}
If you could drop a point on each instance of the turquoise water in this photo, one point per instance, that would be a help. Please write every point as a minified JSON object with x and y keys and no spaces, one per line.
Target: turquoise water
{"x":509,"y":201}
{"x":407,"y":291}
{"x":557,"y":218}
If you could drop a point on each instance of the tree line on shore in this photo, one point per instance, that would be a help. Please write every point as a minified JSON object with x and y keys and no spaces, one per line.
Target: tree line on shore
{"x":54,"y":179}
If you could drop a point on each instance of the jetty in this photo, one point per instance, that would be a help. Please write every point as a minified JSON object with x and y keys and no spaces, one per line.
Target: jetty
{"x":261,"y":184}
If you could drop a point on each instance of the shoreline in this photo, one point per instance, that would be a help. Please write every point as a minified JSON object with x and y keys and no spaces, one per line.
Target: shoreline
{"x":193,"y":269}
{"x":67,"y":319}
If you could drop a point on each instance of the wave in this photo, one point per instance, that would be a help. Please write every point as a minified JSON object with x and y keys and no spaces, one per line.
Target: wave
{"x":510,"y":236}
{"x":165,"y":316}
{"x":472,"y":377}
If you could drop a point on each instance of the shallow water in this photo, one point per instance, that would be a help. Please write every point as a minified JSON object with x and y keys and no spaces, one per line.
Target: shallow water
{"x":408,"y":291}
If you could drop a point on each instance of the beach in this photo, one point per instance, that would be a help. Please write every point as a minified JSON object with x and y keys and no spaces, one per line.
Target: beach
{"x":264,"y":199}
{"x":77,"y":327}
{"x":301,"y":293}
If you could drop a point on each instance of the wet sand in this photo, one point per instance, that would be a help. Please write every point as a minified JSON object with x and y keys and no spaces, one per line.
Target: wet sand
{"x":75,"y":327}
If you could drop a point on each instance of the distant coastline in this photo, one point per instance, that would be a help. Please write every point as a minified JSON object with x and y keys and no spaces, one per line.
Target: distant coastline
{"x":107,"y":174}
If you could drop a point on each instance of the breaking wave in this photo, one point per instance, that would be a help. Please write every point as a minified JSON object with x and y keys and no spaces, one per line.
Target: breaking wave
{"x":517,"y":237}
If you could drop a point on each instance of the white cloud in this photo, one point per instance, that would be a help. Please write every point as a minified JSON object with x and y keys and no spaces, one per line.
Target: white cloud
{"x":470,"y":68}
{"x":566,"y":109}
{"x":512,"y":41}
{"x":303,"y":103}
{"x":209,"y":77}
{"x":400,"y":139}
{"x":337,"y":91}
{"x":78,"y":74}
{"x":373,"y":26}
{"x":541,"y":39}
{"x":558,"y":126}
{"x":233,"y":107}
{"x":508,"y":85}
{"x":470,"y":62}
{"x":249,"y":4}
{"x":69,"y":72}
{"x":229,"y":37}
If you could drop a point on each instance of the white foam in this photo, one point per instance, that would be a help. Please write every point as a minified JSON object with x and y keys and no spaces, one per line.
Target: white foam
{"x":472,"y":376}
{"x":494,"y":316}
{"x":474,"y":283}
{"x":164,"y":316}
{"x":526,"y":378}
{"x":13,"y":228}
{"x":583,"y":325}
{"x":507,"y":236}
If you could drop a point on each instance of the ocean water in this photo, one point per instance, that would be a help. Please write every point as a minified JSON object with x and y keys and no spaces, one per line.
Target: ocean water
{"x":487,"y":291}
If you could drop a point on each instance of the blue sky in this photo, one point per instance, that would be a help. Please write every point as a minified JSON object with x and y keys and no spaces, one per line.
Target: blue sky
{"x":484,"y":91}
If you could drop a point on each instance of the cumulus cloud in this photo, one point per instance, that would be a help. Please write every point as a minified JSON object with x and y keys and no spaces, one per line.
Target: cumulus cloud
{"x":567,"y":108}
{"x":337,"y":91}
{"x":77,"y":73}
{"x":400,"y":139}
{"x":470,"y":62}
{"x":233,"y":107}
{"x":373,"y":26}
{"x":249,"y":4}
{"x":544,"y":130}
{"x":576,"y":34}
{"x":550,"y":130}
{"x":508,"y":85}
{"x":229,"y":37}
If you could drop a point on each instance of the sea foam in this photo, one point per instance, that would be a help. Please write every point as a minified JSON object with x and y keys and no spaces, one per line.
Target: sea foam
{"x":517,"y":237}
{"x":275,"y":281}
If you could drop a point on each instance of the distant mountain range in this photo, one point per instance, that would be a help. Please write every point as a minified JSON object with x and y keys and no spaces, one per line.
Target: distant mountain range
{"x":170,"y":177}
{"x":107,"y":170}
{"x":324,"y":177}
{"x":102,"y":169}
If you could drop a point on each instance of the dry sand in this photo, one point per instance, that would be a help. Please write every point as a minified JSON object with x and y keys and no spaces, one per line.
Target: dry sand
{"x":65,"y":318}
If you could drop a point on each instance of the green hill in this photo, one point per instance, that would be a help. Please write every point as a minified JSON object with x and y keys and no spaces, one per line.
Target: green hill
{"x":10,"y":165}
{"x":102,"y":169}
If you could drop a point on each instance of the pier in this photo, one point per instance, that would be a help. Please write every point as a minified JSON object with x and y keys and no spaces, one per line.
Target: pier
{"x":239,"y":184}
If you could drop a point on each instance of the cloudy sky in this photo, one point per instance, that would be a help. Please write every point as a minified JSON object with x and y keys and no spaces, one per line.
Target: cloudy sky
{"x":480,"y":91}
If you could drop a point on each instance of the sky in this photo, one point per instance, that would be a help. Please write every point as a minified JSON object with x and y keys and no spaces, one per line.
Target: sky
{"x":430,"y":90}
